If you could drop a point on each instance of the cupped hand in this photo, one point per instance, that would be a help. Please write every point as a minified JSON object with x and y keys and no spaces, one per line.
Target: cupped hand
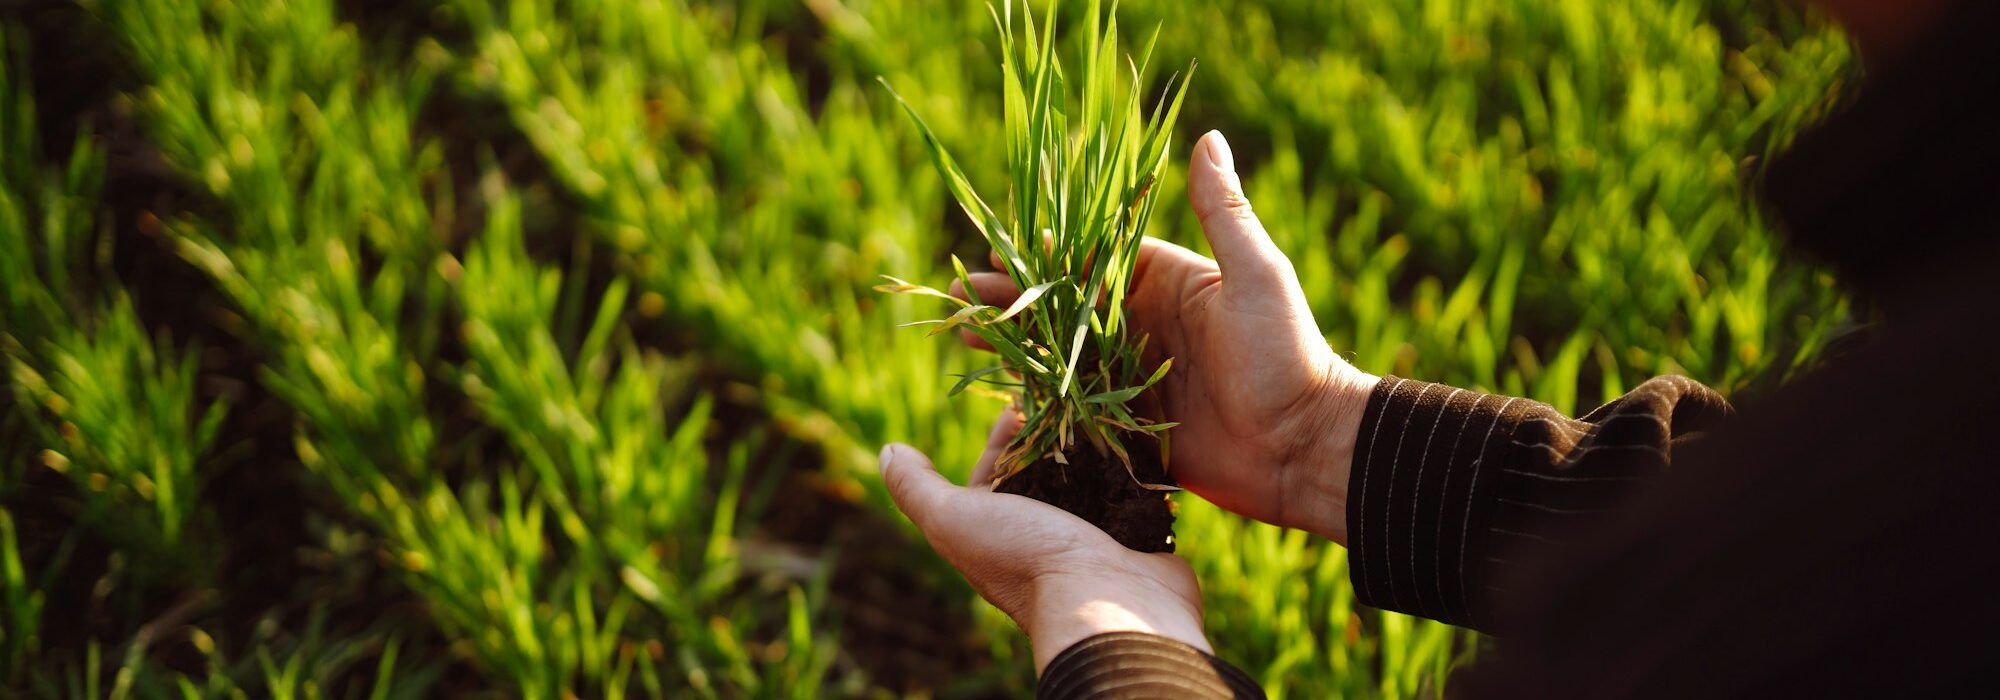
{"x":1060,"y":578}
{"x":1268,"y":413}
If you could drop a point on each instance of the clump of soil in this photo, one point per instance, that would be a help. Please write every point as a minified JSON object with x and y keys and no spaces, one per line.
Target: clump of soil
{"x":1097,"y":488}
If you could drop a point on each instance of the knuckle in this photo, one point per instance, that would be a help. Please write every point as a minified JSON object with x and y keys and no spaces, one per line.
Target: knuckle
{"x":1231,"y":205}
{"x":1234,"y":201}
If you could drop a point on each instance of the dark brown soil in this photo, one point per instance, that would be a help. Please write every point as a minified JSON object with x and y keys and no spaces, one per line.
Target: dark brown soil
{"x":1098,"y":489}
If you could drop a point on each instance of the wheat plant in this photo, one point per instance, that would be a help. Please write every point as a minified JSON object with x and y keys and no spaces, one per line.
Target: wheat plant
{"x":1082,"y":171}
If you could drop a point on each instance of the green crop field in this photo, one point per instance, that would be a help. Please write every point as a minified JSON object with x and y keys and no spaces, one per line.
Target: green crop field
{"x":362,"y":348}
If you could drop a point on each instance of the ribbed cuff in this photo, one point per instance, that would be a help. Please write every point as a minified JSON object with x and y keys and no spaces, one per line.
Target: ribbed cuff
{"x":1424,"y":471}
{"x":1140,"y":665}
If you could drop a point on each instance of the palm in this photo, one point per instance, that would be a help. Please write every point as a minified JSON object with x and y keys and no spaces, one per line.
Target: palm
{"x":1061,"y":542}
{"x":1058,"y":576}
{"x":1246,"y":356}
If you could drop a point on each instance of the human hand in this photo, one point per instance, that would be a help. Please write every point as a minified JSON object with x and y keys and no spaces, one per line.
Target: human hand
{"x":1060,"y":578}
{"x":1268,"y":413}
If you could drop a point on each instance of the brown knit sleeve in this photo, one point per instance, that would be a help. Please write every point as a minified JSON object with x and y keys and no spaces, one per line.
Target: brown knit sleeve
{"x":1131,"y":665}
{"x":1452,"y":488}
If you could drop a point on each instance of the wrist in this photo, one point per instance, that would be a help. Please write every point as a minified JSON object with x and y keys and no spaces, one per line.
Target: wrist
{"x":1072,"y":614}
{"x":1326,"y":430}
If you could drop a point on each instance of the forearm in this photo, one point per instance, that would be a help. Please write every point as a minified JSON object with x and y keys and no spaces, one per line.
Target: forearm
{"x":1450,"y":489}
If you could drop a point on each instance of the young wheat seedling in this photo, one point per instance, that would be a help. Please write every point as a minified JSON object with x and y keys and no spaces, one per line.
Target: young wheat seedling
{"x":1081,"y":190}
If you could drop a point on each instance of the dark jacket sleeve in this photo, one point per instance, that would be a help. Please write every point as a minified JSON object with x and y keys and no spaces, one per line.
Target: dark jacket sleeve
{"x":1452,"y":489}
{"x":1139,"y":665}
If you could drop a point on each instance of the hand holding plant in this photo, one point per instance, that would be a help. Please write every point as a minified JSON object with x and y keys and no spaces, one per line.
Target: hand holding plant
{"x":1089,"y":314}
{"x":1267,"y":413}
{"x":1060,"y":578}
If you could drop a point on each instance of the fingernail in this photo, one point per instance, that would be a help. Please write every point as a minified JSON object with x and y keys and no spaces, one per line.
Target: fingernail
{"x":888,"y":455}
{"x":1218,"y":151}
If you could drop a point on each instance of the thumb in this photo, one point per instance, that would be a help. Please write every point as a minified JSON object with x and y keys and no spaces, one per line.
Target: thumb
{"x":1242,"y":247}
{"x":913,"y":483}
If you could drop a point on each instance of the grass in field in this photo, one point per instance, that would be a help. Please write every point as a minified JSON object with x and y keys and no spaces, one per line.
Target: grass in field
{"x":507,"y":481}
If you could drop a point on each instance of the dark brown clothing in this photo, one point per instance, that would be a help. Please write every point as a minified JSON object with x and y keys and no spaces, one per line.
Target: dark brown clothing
{"x":1453,"y":490}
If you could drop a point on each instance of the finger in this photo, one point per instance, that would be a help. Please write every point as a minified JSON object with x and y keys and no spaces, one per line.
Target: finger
{"x":914,"y":484}
{"x":1242,"y":247}
{"x":994,"y":289}
{"x":972,"y":340}
{"x":1004,"y":429}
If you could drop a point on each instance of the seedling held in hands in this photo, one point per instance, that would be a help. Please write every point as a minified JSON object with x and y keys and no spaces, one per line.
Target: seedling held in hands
{"x":1081,"y":192}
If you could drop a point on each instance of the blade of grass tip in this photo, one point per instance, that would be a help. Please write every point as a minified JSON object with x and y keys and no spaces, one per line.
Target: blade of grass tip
{"x":1159,"y":131}
{"x":1145,"y":58}
{"x":931,"y":321}
{"x":964,"y":279}
{"x":899,"y":286}
{"x":1158,"y":374}
{"x":1104,"y":87}
{"x":961,"y":189}
{"x":1027,"y":297}
{"x":1031,"y":42}
{"x":957,"y":319}
{"x":1119,"y":397}
{"x":1056,"y":168}
{"x":1094,"y":43}
{"x":1014,"y":100}
{"x":1121,"y":144}
{"x":1028,"y":197}
{"x":385,"y":669}
{"x":1049,"y":34}
{"x":609,"y":312}
{"x":1052,"y":88}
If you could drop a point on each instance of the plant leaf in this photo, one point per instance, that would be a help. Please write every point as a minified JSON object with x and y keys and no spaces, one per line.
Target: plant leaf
{"x":957,"y":319}
{"x":1160,"y":373}
{"x":897,"y":286}
{"x":1115,"y":397}
{"x":966,"y":380}
{"x":1027,"y":297}
{"x":961,"y":189}
{"x":1127,"y":394}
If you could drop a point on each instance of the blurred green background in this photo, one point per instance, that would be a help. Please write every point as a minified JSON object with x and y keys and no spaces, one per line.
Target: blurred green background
{"x":363,"y":348}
